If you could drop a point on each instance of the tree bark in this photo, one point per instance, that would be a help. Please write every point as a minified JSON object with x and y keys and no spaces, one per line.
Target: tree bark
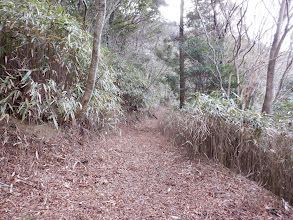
{"x":91,"y":81}
{"x":274,"y":51}
{"x":218,"y":30}
{"x":181,"y":55}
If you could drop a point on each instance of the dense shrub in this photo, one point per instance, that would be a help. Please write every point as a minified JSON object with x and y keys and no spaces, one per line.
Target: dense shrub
{"x":44,"y":61}
{"x":241,"y":140}
{"x":284,"y":107}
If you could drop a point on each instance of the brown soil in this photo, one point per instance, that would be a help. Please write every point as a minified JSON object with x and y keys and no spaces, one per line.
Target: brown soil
{"x":135,"y":173}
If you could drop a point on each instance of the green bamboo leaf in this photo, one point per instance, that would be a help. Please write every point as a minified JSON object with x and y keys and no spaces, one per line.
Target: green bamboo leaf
{"x":4,"y":116}
{"x":8,"y":97}
{"x":21,"y":106}
{"x":16,"y":95}
{"x":23,"y":115}
{"x":27,"y":75}
{"x":11,"y":107}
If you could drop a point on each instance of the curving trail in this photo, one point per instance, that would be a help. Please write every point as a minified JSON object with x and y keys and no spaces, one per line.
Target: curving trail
{"x":133,"y":174}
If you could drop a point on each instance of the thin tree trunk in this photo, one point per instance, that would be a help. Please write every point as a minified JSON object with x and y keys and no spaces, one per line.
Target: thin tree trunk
{"x":215,"y":18}
{"x":181,"y":54}
{"x":275,"y":49}
{"x":91,"y":81}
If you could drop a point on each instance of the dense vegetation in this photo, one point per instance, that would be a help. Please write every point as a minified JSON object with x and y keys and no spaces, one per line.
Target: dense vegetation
{"x":45,"y":58}
{"x":241,"y":140}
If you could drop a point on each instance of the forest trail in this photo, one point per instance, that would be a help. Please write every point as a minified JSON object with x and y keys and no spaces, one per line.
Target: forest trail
{"x":135,"y":173}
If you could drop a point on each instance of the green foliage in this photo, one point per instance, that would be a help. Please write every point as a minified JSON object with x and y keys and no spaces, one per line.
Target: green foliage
{"x":173,"y":82}
{"x":193,"y":18}
{"x":41,"y":32}
{"x":126,"y":20}
{"x":44,"y":63}
{"x":284,"y":107}
{"x":200,"y":69}
{"x":45,"y":56}
{"x":166,"y":52}
{"x":227,"y":110}
{"x":135,"y":88}
{"x":76,"y":8}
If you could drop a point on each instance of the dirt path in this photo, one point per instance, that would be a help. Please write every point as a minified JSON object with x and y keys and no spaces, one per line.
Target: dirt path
{"x":133,"y":174}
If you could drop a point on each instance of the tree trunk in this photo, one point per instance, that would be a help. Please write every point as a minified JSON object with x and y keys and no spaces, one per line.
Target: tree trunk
{"x":91,"y":81}
{"x":275,"y":49}
{"x":215,"y":18}
{"x":181,"y":55}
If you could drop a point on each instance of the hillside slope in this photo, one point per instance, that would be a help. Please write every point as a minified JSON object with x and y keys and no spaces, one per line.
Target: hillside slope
{"x":135,"y":173}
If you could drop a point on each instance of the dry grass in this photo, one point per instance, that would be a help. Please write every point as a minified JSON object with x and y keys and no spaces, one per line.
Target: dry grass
{"x":264,"y":158}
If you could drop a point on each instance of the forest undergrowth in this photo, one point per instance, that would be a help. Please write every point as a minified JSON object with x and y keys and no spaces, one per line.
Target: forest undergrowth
{"x":247,"y":143}
{"x":45,"y":57}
